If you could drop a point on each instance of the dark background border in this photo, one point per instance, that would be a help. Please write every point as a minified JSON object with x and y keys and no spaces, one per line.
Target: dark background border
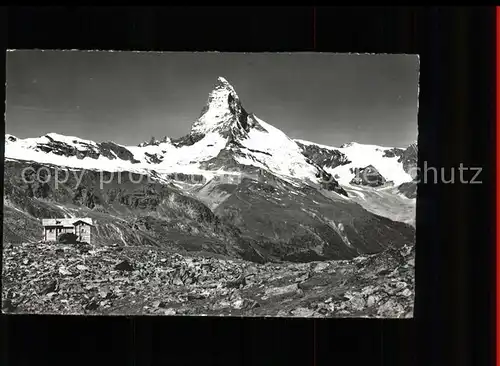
{"x":455,"y":223}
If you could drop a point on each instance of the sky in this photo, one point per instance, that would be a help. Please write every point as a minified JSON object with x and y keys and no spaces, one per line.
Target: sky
{"x":127,"y":97}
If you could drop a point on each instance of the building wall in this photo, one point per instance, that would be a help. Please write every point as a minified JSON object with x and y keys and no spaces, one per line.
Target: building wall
{"x":84,"y":232}
{"x":85,"y":238}
{"x":52,"y":233}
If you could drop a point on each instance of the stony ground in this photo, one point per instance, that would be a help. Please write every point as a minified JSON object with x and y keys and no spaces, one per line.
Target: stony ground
{"x":53,"y":278}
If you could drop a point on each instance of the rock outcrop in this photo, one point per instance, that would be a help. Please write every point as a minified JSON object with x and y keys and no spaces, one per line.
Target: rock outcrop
{"x":368,"y":176}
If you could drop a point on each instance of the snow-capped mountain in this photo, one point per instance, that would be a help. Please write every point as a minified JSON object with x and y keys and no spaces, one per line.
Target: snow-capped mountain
{"x":224,"y":138}
{"x":293,"y":199}
{"x":343,"y":161}
{"x":223,"y":113}
{"x":69,"y":151}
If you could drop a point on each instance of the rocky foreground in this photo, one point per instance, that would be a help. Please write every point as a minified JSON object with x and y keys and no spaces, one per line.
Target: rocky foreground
{"x":54,"y":278}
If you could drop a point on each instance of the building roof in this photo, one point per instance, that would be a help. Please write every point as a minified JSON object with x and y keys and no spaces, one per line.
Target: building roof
{"x":65,"y":222}
{"x":86,"y":222}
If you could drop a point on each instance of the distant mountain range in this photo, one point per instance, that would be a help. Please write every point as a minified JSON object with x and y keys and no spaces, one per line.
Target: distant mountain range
{"x":235,"y":185}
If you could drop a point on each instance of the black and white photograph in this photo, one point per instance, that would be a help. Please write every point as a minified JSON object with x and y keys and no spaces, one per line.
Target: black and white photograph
{"x":210,"y":184}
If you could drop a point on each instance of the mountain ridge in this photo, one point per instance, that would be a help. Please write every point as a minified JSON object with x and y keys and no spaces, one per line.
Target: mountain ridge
{"x":57,"y":145}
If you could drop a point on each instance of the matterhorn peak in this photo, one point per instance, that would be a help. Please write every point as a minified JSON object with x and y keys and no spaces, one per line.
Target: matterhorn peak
{"x":223,"y":110}
{"x":223,"y":81}
{"x":224,"y":87}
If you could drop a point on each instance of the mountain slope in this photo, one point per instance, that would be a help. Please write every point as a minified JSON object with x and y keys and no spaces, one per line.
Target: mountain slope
{"x":162,"y":282}
{"x":383,"y":180}
{"x":125,"y":212}
{"x":301,"y":223}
